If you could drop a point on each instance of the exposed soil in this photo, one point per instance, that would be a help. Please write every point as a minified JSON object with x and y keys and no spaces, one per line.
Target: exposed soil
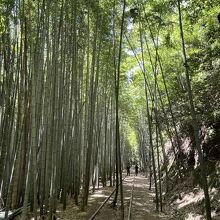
{"x":143,"y":206}
{"x":182,"y":203}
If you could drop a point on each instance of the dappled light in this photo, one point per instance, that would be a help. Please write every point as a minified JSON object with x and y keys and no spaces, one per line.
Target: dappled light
{"x":98,"y":195}
{"x":191,"y":216}
{"x":109,"y":109}
{"x":189,"y":198}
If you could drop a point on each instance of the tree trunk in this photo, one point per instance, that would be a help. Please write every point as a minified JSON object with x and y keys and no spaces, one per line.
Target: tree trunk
{"x":194,"y":119}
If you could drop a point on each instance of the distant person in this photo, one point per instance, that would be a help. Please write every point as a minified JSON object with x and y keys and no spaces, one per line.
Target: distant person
{"x":136,"y":169}
{"x":128,"y":170}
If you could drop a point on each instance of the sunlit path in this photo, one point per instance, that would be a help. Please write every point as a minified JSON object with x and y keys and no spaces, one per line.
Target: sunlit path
{"x":143,"y":205}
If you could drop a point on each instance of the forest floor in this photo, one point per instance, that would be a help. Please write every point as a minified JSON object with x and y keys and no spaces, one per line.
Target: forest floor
{"x":189,"y":207}
{"x":186,"y":201}
{"x":143,"y":205}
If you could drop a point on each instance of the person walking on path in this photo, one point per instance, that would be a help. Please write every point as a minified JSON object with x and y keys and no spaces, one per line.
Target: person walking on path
{"x":136,"y":169}
{"x":128,"y":170}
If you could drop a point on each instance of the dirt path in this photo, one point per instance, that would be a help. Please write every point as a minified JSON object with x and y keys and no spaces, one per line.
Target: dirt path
{"x":73,"y":212}
{"x":143,"y":203}
{"x":143,"y":206}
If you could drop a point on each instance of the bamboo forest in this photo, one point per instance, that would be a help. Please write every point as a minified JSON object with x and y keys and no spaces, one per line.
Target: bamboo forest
{"x":110,"y":109}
